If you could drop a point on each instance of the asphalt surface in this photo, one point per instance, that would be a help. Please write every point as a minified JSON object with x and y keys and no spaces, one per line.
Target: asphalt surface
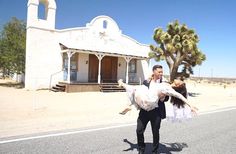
{"x":213,"y":133}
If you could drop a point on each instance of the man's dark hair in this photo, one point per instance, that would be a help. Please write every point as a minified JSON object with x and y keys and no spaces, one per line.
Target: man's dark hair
{"x":156,"y":66}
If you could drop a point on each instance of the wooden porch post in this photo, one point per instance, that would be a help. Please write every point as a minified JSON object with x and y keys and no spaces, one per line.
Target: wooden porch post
{"x":100,"y":56}
{"x":127,"y":59}
{"x":69,"y":54}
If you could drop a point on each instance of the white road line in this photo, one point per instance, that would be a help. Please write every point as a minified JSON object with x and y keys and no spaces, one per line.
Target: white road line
{"x":95,"y":129}
{"x":66,"y":133}
{"x":218,"y":110}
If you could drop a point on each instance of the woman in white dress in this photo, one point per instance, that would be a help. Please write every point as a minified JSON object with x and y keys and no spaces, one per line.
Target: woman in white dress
{"x":142,"y":97}
{"x":179,"y":110}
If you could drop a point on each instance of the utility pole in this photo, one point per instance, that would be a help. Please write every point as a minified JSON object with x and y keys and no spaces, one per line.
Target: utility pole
{"x":211,"y":73}
{"x":199,"y":72}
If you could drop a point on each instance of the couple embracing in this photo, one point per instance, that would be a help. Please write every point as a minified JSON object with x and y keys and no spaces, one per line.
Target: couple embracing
{"x":150,"y":98}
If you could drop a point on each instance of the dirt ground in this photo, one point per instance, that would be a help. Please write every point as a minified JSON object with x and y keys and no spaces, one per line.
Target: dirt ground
{"x":26,"y":112}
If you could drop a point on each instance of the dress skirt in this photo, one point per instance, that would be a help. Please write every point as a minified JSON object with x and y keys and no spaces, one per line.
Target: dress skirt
{"x":175,"y":114}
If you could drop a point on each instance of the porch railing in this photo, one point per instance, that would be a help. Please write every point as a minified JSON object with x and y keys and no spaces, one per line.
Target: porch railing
{"x":51,"y":76}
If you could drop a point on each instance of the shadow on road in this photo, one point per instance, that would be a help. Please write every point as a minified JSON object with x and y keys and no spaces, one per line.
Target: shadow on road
{"x":165,"y":148}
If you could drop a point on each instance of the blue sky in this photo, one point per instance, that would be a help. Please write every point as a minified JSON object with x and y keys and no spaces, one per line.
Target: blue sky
{"x":213,"y":20}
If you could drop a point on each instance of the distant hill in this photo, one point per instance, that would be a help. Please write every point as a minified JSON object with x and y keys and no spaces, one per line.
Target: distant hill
{"x":211,"y":79}
{"x":215,"y":79}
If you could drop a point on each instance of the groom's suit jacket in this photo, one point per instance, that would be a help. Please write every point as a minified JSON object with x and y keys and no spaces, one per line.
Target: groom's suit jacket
{"x":161,"y":105}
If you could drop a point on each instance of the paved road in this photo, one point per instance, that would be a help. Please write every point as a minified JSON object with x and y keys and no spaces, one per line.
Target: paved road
{"x":213,"y":133}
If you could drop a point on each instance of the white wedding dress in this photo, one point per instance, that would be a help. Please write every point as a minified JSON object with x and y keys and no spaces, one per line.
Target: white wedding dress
{"x":178,"y":114}
{"x":148,"y":99}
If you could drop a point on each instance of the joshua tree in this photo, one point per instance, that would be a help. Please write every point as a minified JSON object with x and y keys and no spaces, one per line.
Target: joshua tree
{"x":178,"y":47}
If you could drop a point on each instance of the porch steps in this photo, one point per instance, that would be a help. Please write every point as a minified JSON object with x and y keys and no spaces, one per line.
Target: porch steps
{"x":110,"y":87}
{"x":59,"y":88}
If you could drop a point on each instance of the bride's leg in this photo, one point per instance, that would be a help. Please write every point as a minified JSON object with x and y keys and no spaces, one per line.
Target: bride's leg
{"x":130,"y":92}
{"x":129,"y":88}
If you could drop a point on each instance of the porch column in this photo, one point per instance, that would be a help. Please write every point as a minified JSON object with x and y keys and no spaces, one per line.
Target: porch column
{"x":127,"y":59}
{"x":69,"y":54}
{"x":100,"y":56}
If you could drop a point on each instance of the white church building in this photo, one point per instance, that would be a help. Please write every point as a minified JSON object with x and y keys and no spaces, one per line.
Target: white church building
{"x":97,"y":53}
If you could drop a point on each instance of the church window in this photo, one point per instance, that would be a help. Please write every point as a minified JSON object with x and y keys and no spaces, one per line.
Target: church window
{"x":105,"y":24}
{"x":132,"y":66}
{"x":42,"y":11}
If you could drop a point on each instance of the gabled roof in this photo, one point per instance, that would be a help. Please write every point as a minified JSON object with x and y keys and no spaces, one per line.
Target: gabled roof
{"x":107,"y":40}
{"x":110,"y":48}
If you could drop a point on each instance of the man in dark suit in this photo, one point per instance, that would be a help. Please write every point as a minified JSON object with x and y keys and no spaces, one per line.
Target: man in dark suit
{"x":154,"y":116}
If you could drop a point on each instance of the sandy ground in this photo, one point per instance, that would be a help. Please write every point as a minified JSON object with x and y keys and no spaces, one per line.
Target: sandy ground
{"x":26,"y":112}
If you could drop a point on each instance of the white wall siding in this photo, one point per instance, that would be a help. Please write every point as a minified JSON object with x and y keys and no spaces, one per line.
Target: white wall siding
{"x":43,"y":57}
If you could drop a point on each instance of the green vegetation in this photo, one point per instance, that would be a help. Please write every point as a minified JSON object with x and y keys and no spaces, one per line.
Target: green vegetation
{"x":178,"y":47}
{"x":12,"y":48}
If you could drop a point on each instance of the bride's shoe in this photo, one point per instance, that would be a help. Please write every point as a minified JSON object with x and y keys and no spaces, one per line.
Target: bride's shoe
{"x":120,"y":83}
{"x":125,"y":111}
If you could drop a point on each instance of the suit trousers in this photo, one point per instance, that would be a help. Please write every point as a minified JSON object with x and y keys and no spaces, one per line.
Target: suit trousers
{"x":144,"y":117}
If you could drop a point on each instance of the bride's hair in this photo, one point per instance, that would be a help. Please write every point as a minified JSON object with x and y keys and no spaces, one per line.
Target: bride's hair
{"x":183,"y":91}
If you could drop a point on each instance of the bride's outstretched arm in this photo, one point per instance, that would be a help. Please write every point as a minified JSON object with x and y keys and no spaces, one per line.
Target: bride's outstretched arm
{"x":173,"y":93}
